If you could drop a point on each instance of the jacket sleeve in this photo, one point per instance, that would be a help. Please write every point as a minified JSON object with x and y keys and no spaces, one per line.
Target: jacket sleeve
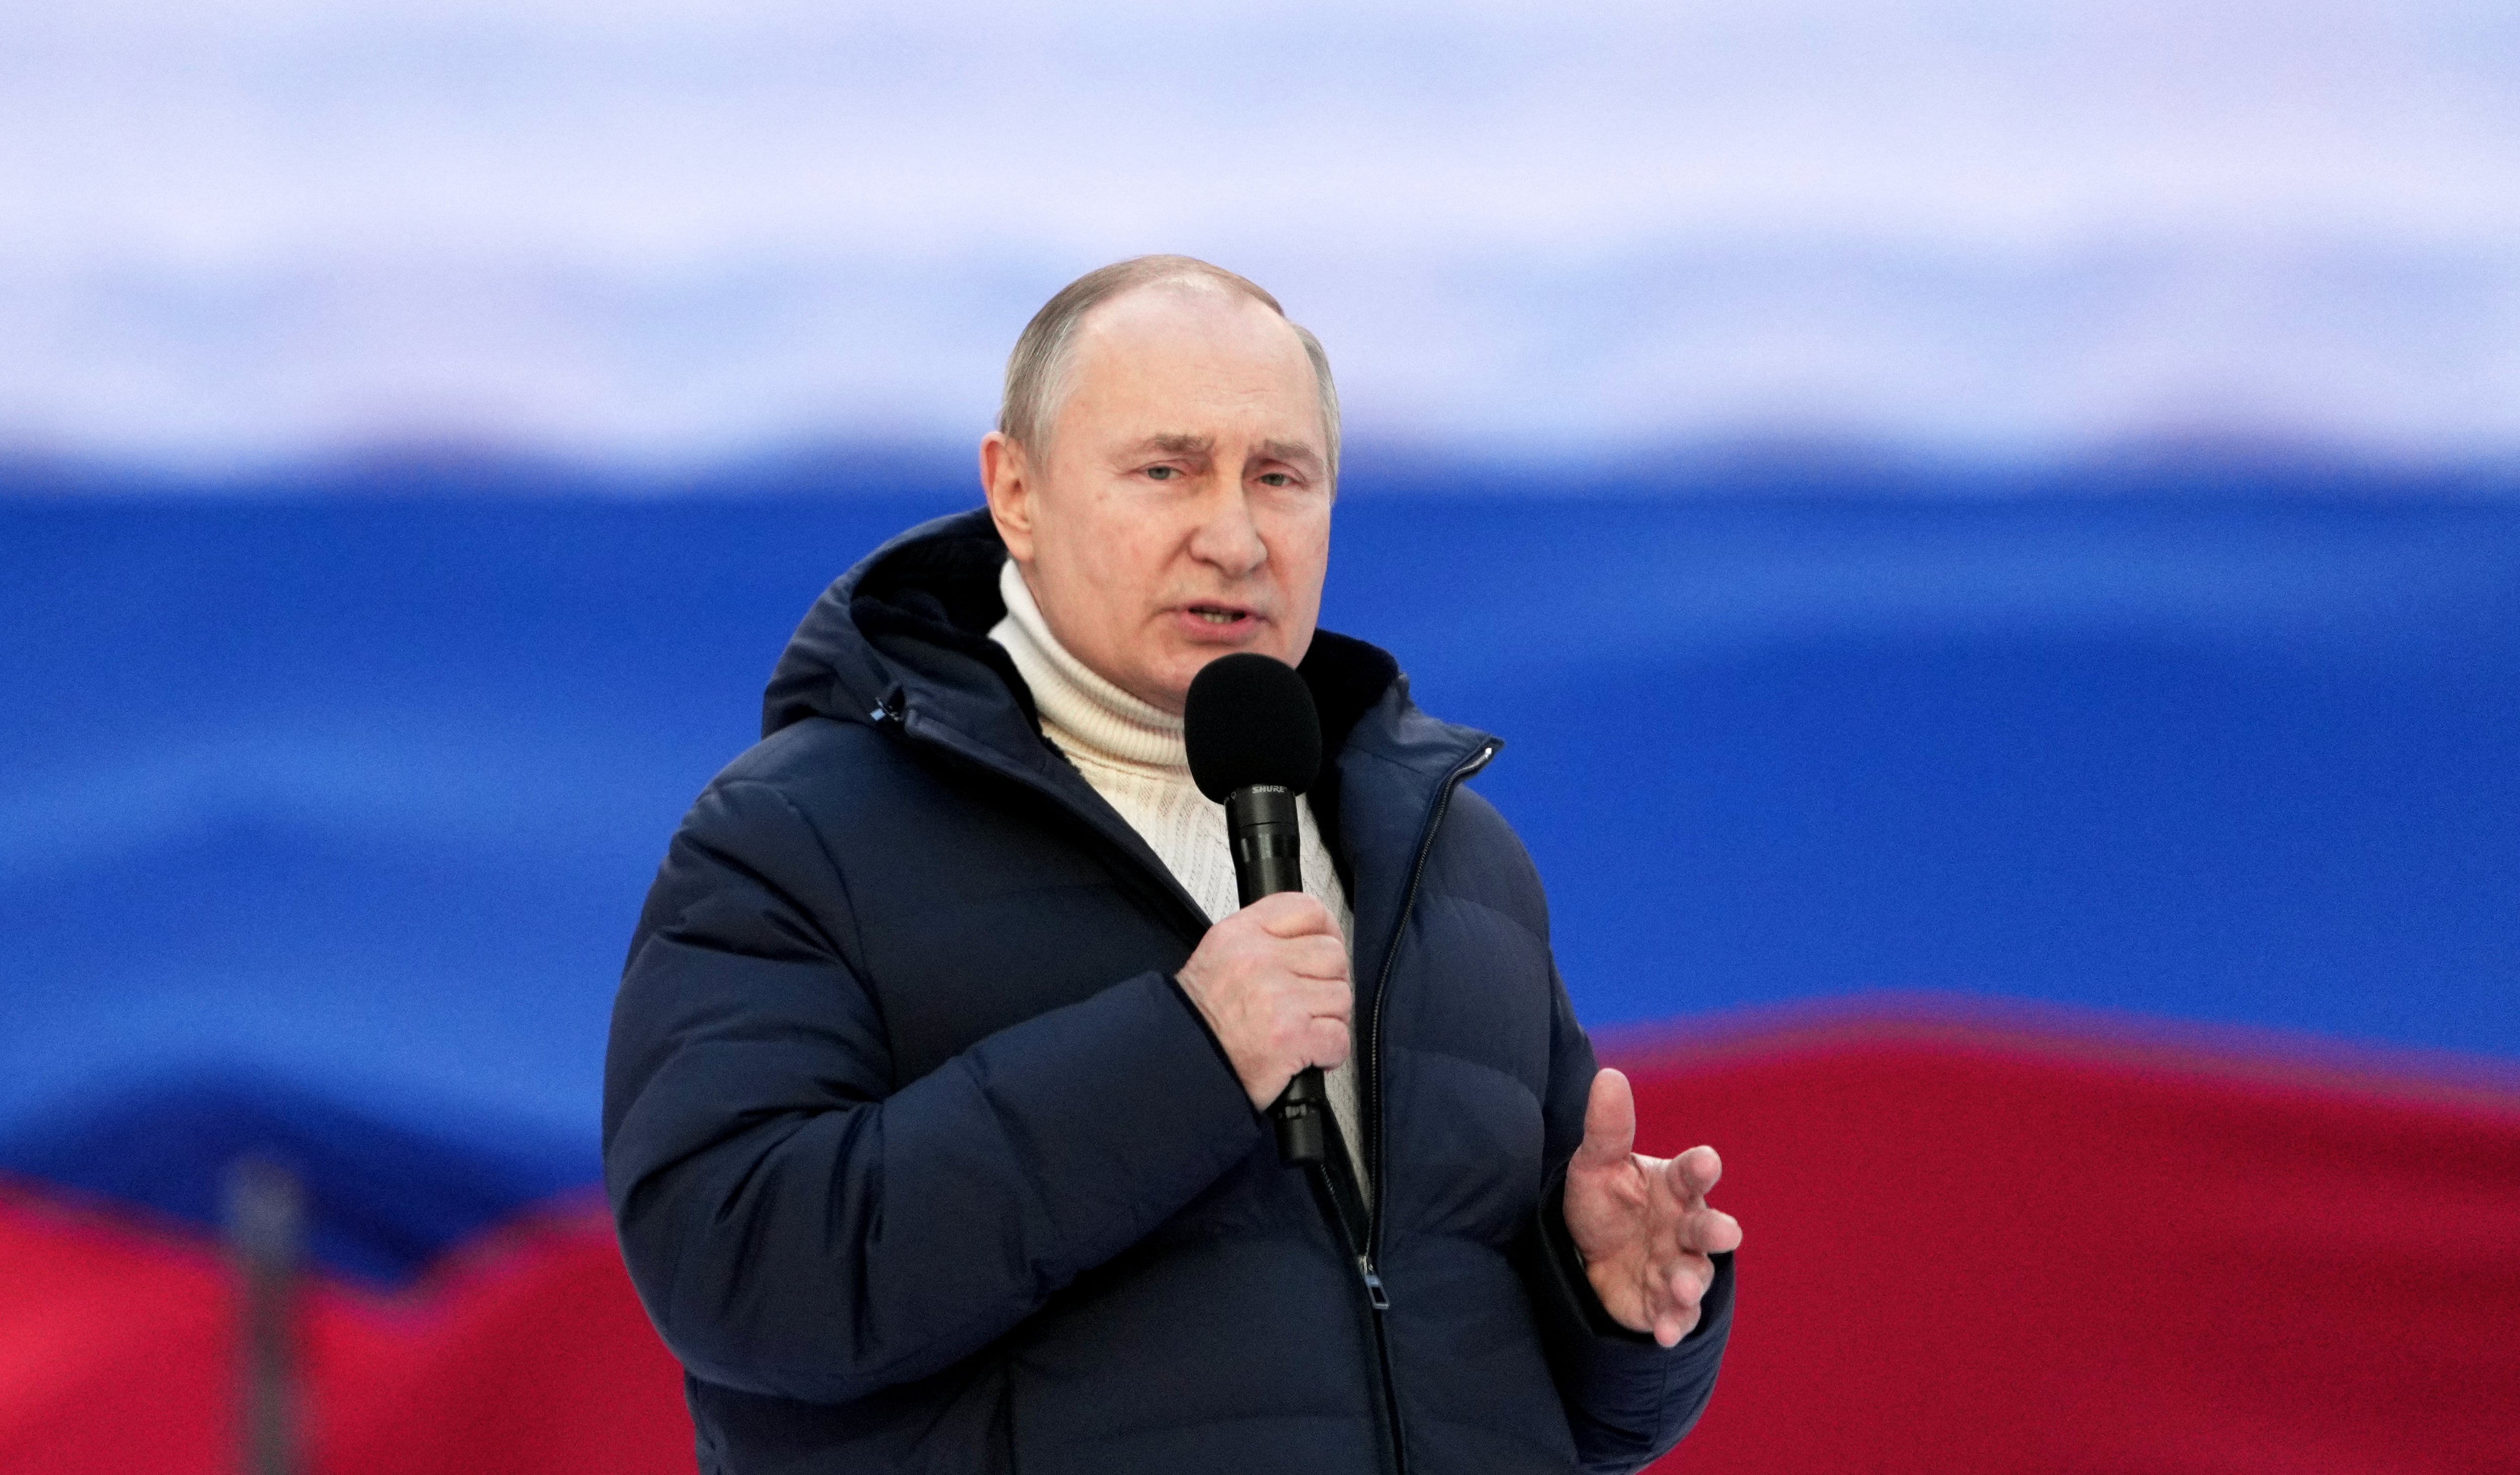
{"x":795,"y":1228}
{"x":1628,"y":1398}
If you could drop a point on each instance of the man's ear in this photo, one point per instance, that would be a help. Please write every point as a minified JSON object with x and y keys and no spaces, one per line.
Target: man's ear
{"x":1005,"y":480}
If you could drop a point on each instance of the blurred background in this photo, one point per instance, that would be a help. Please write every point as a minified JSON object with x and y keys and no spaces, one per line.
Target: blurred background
{"x":1991,"y":531}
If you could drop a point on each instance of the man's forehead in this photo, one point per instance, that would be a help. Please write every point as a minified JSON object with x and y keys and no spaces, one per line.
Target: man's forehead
{"x":1149,"y":368}
{"x":1186,"y":309}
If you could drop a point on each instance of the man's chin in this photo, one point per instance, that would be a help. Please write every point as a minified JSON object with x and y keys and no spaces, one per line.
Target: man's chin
{"x":1182,"y":652}
{"x":1185,"y":665}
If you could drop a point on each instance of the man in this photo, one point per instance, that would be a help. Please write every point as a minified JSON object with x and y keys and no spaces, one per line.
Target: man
{"x":932,"y":1118}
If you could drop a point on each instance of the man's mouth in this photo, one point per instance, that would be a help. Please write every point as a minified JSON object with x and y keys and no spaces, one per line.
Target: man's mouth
{"x":1216,"y":614}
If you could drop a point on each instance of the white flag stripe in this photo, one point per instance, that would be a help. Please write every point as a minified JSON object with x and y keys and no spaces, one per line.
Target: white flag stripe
{"x":675,"y":232}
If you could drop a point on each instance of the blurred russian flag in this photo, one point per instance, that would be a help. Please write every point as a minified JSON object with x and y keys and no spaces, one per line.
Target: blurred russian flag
{"x":1992,"y":534}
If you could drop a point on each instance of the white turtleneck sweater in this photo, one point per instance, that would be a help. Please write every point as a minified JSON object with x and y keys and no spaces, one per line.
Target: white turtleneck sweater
{"x":1131,"y":751}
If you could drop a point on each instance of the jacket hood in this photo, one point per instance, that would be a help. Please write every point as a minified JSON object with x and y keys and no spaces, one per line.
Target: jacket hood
{"x":907,"y":630}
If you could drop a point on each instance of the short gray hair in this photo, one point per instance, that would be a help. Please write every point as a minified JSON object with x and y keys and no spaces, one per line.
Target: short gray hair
{"x":1037,"y":370}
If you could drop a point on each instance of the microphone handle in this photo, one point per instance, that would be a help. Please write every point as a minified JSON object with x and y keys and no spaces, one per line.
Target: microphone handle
{"x":1268,"y":858}
{"x":1299,"y":1114}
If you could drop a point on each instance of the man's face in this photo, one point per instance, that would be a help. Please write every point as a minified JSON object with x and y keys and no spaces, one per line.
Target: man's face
{"x":1182,"y":508}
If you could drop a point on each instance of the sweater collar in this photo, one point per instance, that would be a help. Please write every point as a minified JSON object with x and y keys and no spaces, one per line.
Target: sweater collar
{"x":1085,"y":712}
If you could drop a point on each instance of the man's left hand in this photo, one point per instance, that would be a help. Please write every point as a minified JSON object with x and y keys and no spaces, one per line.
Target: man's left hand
{"x":1641,"y":1224}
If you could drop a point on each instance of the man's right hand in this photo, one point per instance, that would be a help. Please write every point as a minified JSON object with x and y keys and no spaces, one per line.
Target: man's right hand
{"x":1272,"y":981}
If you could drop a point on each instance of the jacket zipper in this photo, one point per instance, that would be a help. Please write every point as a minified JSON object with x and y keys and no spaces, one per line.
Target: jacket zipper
{"x":1368,"y":1257}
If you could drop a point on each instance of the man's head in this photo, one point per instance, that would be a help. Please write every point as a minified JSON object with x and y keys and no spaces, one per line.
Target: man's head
{"x":1163,"y":469}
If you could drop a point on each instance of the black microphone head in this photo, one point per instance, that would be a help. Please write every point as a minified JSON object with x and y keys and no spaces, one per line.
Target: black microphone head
{"x":1249,"y":719}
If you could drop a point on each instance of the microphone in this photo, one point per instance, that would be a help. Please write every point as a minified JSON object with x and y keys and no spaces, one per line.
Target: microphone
{"x":1255,"y":743}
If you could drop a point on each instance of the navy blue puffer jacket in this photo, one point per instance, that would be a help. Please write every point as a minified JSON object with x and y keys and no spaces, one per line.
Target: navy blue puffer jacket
{"x":922,"y":1161}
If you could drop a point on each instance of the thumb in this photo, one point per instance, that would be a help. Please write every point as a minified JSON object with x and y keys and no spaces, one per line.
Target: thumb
{"x":1609,"y":1121}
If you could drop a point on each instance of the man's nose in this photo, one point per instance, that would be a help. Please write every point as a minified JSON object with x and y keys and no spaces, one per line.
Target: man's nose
{"x":1228,"y":537}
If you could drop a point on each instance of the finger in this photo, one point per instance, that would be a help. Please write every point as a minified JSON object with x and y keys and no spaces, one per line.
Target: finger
{"x":1674,"y":1324}
{"x":1684,"y":1224}
{"x":1292,"y":914}
{"x":1314,"y":956}
{"x":1676,"y":1295}
{"x":1697,"y":1171}
{"x":1688,"y":1280}
{"x":1672,"y":1197}
{"x":1322,"y":998}
{"x":1325,"y":1044}
{"x":1609,"y":1121}
{"x":1709,"y":1231}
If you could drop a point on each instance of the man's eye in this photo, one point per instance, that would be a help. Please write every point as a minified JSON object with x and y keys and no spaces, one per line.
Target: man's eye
{"x":1161,"y":473}
{"x":1276,"y":478}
